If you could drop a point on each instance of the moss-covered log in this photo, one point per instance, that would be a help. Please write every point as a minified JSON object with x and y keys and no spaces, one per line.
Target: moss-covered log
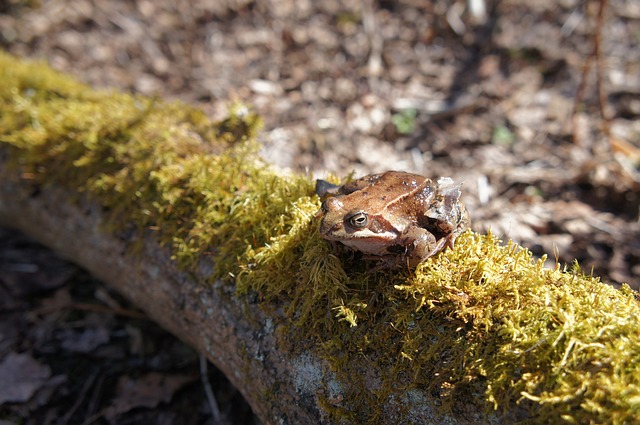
{"x":181,"y":216}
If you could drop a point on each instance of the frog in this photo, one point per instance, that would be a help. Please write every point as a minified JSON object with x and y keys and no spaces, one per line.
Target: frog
{"x":396,"y":218}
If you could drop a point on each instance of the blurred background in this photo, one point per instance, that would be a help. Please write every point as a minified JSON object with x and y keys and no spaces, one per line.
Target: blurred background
{"x":532,"y":105}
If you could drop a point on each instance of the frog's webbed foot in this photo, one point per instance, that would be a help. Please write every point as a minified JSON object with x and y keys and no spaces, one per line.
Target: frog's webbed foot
{"x":412,"y":254}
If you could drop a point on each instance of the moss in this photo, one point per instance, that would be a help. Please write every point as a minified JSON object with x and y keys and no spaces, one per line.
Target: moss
{"x":484,"y":324}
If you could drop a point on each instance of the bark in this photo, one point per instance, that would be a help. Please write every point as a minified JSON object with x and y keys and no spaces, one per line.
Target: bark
{"x":237,"y":335}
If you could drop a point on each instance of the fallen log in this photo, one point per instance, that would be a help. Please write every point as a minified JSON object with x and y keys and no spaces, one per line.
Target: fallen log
{"x":182,"y":217}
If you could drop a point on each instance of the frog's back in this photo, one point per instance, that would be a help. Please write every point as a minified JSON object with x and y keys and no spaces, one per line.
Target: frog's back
{"x":393,"y":190}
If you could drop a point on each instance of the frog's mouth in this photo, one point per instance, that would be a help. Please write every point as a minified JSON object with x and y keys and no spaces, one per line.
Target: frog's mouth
{"x":328,"y":230}
{"x":375,"y":245}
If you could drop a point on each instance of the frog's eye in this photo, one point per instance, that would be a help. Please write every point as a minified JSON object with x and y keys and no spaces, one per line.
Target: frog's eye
{"x":358,"y":220}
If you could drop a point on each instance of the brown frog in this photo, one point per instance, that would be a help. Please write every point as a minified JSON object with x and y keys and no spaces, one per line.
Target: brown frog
{"x":397,"y":217}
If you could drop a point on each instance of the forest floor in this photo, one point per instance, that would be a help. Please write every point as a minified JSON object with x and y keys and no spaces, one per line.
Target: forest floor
{"x":543,"y":134}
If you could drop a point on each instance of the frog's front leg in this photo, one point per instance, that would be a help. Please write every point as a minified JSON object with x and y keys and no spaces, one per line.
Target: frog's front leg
{"x":421,"y":244}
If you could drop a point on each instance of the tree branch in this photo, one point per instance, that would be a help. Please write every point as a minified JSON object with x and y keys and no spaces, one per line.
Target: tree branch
{"x":223,"y":253}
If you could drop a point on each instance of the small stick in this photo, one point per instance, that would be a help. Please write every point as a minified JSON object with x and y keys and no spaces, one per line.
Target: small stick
{"x":586,"y":67}
{"x":211,"y":398}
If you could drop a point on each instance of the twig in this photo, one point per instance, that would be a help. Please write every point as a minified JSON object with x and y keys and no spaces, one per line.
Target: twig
{"x":586,"y":67}
{"x":83,"y":392}
{"x":211,"y":398}
{"x":96,"y":308}
{"x":597,"y":38}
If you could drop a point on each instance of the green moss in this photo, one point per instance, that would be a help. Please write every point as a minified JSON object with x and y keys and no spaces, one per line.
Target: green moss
{"x":483,"y":323}
{"x":151,"y":163}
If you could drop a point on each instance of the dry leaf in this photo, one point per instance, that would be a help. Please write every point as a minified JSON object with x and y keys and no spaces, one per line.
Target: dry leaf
{"x":21,"y":376}
{"x":146,"y":391}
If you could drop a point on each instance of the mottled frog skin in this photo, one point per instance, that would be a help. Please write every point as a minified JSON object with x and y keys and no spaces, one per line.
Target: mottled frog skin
{"x":396,"y":217}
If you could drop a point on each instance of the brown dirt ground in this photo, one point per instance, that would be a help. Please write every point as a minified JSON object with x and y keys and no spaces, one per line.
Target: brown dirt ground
{"x":507,"y":103}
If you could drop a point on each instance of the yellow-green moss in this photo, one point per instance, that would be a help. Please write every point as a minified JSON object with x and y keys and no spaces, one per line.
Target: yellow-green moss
{"x":483,"y":323}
